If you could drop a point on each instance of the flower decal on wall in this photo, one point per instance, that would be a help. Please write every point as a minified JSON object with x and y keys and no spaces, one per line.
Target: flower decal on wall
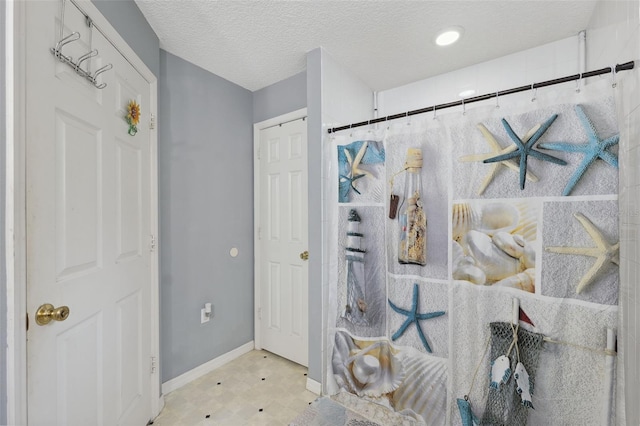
{"x":133,"y":117}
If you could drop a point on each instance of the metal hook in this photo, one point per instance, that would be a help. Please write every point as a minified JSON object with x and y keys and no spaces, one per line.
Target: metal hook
{"x":434,"y":112}
{"x":406,"y":115}
{"x":535,"y":91}
{"x":464,"y":110}
{"x":497,"y":100}
{"x":97,"y":73}
{"x":68,"y":39}
{"x":86,"y":56}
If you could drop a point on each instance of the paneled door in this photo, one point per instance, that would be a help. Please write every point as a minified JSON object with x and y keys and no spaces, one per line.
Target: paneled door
{"x":283,"y":235}
{"x":88,"y":224}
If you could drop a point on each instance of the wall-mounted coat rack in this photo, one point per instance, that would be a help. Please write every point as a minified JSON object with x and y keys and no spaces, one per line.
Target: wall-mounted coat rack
{"x":57,"y":52}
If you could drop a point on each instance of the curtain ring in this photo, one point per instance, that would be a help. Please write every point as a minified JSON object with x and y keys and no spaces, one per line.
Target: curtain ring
{"x":613,"y":76}
{"x":497,"y":100}
{"x":578,"y":83}
{"x":534,"y":92}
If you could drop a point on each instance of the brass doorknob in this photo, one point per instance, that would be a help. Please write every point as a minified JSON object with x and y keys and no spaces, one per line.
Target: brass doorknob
{"x":47,"y":313}
{"x":304,"y":255}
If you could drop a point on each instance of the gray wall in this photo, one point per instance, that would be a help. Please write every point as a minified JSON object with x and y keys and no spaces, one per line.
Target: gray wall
{"x":126,"y":18}
{"x":280,"y":98}
{"x":206,"y":208}
{"x":3,"y":275}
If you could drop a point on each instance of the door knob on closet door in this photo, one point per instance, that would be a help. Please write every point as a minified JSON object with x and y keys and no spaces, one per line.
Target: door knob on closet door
{"x":47,"y":313}
{"x":304,"y":255}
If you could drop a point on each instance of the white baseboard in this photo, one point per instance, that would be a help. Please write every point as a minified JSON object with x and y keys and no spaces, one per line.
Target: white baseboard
{"x":158,"y":407}
{"x":207,"y":367}
{"x":313,"y":386}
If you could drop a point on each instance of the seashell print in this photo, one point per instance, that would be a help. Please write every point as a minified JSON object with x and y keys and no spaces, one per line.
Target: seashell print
{"x":528,"y":224}
{"x":523,"y":281}
{"x":511,"y":244}
{"x":366,"y":368}
{"x":497,"y":243}
{"x":500,"y":371}
{"x":464,"y":218}
{"x":495,"y":263}
{"x":457,"y":252}
{"x":424,"y":393}
{"x":377,"y":192}
{"x":343,"y":346}
{"x":376,"y":367}
{"x":529,"y":257}
{"x":524,"y":386}
{"x":497,"y":217}
{"x":471,"y":273}
{"x":464,"y":267}
{"x":459,"y":258}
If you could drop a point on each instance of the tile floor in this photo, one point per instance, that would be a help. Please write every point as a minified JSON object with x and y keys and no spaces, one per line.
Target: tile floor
{"x":258,"y":388}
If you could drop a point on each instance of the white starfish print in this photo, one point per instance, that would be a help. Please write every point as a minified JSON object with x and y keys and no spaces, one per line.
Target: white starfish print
{"x":496,"y":150}
{"x":603,"y":252}
{"x":356,"y":171}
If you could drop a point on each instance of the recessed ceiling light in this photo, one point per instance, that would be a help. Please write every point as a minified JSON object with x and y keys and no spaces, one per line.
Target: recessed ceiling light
{"x":467,"y":93}
{"x":448,"y":36}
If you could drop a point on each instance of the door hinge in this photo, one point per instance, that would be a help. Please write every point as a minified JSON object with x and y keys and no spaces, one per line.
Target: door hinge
{"x":152,"y":122}
{"x":27,"y":321}
{"x":153,"y":365}
{"x":152,"y":244}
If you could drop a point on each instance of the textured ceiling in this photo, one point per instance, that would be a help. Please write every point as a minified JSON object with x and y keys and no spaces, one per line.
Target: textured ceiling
{"x":385,"y":43}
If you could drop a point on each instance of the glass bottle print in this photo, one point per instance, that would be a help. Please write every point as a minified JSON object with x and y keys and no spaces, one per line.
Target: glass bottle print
{"x":412,"y":242}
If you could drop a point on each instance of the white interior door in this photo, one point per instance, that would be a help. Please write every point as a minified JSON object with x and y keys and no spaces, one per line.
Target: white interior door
{"x":88,"y":225}
{"x":283,"y":310}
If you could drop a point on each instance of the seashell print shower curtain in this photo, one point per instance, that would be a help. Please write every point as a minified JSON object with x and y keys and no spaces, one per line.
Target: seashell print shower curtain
{"x":522,"y":211}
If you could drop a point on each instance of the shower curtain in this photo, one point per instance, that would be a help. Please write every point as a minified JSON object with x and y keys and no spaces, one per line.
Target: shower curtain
{"x":522,"y":237}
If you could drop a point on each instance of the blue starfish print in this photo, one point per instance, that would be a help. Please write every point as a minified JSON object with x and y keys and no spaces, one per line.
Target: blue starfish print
{"x":344,"y":190}
{"x":526,"y":149}
{"x":350,"y":159}
{"x":595,"y":148}
{"x":414,"y":316}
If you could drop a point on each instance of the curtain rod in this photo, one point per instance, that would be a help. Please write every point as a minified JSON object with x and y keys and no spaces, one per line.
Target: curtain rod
{"x":620,"y":67}
{"x":90,"y":23}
